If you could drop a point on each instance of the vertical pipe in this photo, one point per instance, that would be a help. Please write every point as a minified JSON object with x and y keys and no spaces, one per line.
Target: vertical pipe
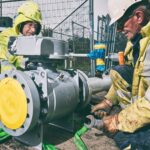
{"x":91,"y":19}
{"x":61,"y":33}
{"x":83,"y":32}
{"x":1,"y":8}
{"x":98,"y":20}
{"x":73,"y":39}
{"x":114,"y":37}
{"x":102,"y":29}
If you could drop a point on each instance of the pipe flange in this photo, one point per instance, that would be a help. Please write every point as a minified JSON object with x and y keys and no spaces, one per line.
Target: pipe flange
{"x":21,"y":103}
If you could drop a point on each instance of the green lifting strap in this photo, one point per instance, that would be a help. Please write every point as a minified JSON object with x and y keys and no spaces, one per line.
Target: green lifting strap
{"x":48,"y":147}
{"x":4,"y":136}
{"x":78,"y":141}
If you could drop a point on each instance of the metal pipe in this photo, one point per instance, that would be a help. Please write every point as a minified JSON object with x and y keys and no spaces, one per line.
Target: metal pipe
{"x":98,"y":84}
{"x":77,"y":55}
{"x":98,"y":21}
{"x":111,"y":56}
{"x":91,"y":18}
{"x":73,"y":39}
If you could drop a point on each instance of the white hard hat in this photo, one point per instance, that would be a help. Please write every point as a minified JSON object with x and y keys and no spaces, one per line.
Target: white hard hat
{"x":117,"y":8}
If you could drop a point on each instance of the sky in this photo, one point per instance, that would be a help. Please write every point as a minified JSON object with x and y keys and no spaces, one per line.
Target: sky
{"x":100,"y":8}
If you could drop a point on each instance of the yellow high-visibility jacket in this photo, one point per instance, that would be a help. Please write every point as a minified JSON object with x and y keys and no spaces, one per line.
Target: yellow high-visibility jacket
{"x":137,"y":113}
{"x":29,"y":11}
{"x":4,"y":55}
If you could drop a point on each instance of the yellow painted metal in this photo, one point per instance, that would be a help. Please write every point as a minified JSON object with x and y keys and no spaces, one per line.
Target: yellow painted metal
{"x":100,"y":61}
{"x":99,"y":46}
{"x":13,"y":103}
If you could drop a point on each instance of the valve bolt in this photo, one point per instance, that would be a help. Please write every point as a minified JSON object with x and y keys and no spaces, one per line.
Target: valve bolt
{"x":44,"y":111}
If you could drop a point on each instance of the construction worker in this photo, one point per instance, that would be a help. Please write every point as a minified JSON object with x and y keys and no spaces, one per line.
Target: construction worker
{"x":131,"y":81}
{"x":26,"y":23}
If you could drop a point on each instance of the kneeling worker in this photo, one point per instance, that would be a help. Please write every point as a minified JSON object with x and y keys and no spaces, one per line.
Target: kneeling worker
{"x":130,"y":82}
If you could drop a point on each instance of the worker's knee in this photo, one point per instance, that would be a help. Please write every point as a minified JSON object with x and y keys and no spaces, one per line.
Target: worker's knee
{"x":125,"y":71}
{"x":122,"y":77}
{"x":138,"y":140}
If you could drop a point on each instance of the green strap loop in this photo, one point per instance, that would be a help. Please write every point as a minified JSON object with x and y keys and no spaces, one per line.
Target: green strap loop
{"x":4,"y":136}
{"x":78,"y":141}
{"x":48,"y":147}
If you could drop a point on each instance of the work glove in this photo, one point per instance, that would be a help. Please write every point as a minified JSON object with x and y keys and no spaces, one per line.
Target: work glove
{"x":102,"y":109}
{"x":110,"y":123}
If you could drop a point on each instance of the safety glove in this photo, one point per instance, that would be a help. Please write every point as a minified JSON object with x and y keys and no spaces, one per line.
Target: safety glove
{"x":110,"y":123}
{"x":102,"y":109}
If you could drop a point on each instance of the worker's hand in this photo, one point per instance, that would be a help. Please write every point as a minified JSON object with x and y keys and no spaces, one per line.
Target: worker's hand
{"x":102,"y":109}
{"x":111,"y":123}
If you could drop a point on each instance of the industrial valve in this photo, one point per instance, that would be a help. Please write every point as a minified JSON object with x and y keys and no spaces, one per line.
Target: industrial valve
{"x":42,"y":94}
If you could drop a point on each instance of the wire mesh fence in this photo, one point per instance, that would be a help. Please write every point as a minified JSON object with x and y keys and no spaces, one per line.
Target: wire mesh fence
{"x":69,"y":20}
{"x":64,"y":19}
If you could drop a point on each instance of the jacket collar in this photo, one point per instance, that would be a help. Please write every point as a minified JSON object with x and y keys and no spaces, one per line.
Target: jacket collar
{"x":145,"y":31}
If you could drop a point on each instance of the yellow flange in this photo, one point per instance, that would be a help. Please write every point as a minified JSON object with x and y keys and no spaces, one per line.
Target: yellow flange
{"x":13,"y":103}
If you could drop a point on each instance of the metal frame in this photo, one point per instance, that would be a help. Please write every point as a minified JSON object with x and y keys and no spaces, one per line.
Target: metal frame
{"x":60,"y":32}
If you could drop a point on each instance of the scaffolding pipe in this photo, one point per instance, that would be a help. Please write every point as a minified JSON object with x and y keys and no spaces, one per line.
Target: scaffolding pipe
{"x":110,"y":56}
{"x":91,"y":18}
{"x":77,"y":55}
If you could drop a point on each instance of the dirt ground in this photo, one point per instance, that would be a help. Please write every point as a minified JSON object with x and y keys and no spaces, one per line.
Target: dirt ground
{"x":94,"y":139}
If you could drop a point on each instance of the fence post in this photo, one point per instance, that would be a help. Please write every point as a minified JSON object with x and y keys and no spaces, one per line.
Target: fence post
{"x":91,"y":18}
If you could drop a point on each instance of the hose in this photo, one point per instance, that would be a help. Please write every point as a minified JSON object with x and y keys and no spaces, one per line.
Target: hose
{"x":78,"y":141}
{"x":4,"y":136}
{"x":48,"y":147}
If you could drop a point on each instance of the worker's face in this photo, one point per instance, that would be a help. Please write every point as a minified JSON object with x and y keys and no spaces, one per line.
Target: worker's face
{"x":130,"y":26}
{"x":29,"y":29}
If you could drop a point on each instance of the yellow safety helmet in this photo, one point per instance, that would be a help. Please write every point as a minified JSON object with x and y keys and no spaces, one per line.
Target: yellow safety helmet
{"x":117,"y":8}
{"x":28,"y":11}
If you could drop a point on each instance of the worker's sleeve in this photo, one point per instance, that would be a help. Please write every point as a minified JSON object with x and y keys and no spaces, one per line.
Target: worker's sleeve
{"x":3,"y":47}
{"x":112,"y":96}
{"x":136,"y":115}
{"x":13,"y":62}
{"x":8,"y":61}
{"x":5,"y":65}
